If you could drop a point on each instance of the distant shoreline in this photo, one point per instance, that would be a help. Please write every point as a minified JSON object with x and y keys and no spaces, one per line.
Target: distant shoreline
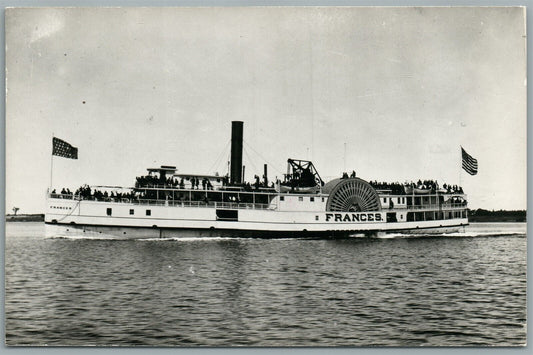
{"x":479,"y":215}
{"x":25,"y":218}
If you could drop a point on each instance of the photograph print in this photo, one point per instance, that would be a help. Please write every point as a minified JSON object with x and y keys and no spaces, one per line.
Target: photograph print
{"x":266,"y":176}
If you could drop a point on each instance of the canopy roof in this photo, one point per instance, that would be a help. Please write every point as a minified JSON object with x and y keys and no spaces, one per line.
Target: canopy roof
{"x":165,"y":168}
{"x":199,"y":176}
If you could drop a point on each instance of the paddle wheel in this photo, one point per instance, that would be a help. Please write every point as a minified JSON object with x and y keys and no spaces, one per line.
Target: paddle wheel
{"x":351,"y":195}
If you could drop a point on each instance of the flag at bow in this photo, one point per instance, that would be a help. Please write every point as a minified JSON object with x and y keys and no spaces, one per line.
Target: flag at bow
{"x":469,"y":163}
{"x":63,"y":149}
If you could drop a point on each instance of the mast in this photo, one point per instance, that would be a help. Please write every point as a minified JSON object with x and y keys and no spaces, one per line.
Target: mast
{"x":344,"y":156}
{"x":52,"y":164}
{"x":461,"y":169}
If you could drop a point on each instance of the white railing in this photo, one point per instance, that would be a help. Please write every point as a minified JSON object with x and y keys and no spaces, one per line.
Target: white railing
{"x":92,"y":198}
{"x":202,"y":204}
{"x":64,"y":196}
{"x":444,"y":206}
{"x":172,"y":203}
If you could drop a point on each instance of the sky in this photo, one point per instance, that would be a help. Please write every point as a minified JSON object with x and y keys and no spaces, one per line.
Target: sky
{"x":392,"y":93}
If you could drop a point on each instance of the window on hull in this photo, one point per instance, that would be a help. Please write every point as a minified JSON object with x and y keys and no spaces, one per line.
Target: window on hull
{"x":228,"y":215}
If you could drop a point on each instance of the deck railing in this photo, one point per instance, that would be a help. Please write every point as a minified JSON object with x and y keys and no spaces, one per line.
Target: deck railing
{"x":433,"y":207}
{"x":202,"y":204}
{"x":64,"y":196}
{"x":174,"y":203}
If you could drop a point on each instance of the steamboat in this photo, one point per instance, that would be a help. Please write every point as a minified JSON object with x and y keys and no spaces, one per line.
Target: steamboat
{"x":168,"y":204}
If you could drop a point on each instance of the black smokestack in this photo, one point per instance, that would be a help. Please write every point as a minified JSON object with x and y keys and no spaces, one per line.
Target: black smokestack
{"x":236,"y":152}
{"x":265,"y":175}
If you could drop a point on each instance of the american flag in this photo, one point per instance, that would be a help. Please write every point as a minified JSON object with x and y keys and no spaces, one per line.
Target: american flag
{"x":63,"y":149}
{"x":469,"y":163}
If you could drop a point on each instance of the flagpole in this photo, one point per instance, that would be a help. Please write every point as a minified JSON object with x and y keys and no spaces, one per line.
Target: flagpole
{"x":461,"y":168}
{"x":52,"y":163}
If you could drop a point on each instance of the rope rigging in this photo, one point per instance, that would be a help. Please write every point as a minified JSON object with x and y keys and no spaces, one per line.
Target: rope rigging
{"x":220,"y":155}
{"x":263,"y":158}
{"x":251,"y":162}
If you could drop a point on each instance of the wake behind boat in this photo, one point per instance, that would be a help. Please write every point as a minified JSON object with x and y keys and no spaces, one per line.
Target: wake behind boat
{"x":167,"y":204}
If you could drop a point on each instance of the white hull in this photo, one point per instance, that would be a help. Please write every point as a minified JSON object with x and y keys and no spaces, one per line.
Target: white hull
{"x":103,"y":232}
{"x":83,"y":218}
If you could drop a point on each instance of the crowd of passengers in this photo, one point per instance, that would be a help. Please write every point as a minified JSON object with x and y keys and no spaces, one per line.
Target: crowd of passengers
{"x":154,"y":181}
{"x":86,"y":193}
{"x":401,"y":189}
{"x":195,"y":183}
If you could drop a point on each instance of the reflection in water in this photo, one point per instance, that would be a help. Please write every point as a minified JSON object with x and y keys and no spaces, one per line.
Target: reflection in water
{"x":266,"y":292}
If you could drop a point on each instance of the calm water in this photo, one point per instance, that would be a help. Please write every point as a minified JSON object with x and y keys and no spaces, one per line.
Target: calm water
{"x":462,"y":289}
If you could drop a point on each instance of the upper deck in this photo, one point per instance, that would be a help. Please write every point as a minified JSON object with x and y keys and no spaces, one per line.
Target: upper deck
{"x":262,"y":198}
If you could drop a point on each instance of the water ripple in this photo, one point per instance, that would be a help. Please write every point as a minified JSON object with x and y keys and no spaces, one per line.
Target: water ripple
{"x":402,"y":291}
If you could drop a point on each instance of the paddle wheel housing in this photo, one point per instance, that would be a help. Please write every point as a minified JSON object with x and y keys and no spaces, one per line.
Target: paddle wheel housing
{"x":351,"y":195}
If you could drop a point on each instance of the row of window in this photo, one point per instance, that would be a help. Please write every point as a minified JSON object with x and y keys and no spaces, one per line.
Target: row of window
{"x":61,"y":208}
{"x":301,"y":198}
{"x":399,"y":199}
{"x":109,"y":212}
{"x":431,"y":216}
